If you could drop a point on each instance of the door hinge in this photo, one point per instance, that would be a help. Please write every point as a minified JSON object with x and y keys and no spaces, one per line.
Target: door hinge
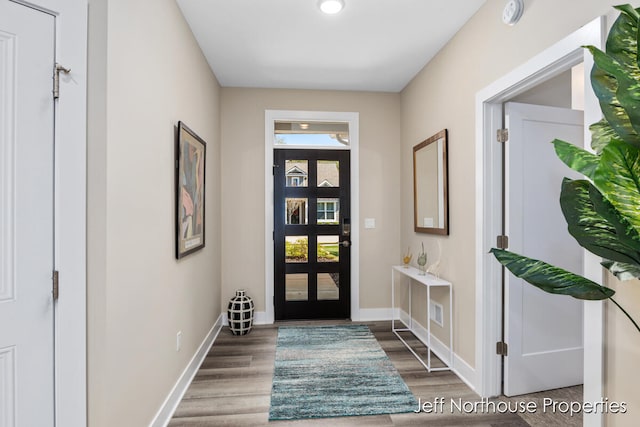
{"x":502,"y":242}
{"x":56,"y":79}
{"x":56,"y":285}
{"x":502,"y":349}
{"x":503,"y":135}
{"x":274,"y":169}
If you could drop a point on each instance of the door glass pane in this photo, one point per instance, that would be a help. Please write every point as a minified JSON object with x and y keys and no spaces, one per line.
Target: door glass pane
{"x":328,"y":286}
{"x":297,"y":287}
{"x":328,"y":249}
{"x":328,"y":211}
{"x":296,"y":248}
{"x":296,"y":211}
{"x":296,"y":172}
{"x":328,"y":173}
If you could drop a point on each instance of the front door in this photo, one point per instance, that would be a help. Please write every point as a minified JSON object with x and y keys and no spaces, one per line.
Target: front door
{"x":26,"y":216}
{"x":543,"y":331}
{"x":312,"y":234}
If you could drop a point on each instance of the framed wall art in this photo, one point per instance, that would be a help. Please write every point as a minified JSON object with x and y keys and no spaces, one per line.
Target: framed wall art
{"x":190,"y":191}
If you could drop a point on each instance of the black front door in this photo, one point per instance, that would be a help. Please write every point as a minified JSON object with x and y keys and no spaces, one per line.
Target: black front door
{"x":312,"y":234}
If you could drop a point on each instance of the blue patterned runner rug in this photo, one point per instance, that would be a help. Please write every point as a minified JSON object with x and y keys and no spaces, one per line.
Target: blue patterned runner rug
{"x":334,"y":371}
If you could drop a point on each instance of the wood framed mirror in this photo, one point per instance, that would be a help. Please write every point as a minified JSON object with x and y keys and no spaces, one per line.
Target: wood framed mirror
{"x":430,"y":185}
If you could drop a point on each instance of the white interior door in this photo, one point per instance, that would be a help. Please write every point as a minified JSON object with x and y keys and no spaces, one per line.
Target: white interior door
{"x":543,"y":331}
{"x":26,"y":216}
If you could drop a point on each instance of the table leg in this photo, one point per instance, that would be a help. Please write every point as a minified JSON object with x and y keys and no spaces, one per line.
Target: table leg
{"x":429,"y":326}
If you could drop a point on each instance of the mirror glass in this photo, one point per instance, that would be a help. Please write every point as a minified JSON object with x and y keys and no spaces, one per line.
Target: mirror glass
{"x":430,"y":187}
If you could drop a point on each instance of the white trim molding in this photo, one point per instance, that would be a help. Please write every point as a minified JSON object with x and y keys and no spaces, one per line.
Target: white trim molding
{"x":376,"y":314}
{"x":352,"y":118}
{"x":170,"y":404}
{"x":551,"y":62}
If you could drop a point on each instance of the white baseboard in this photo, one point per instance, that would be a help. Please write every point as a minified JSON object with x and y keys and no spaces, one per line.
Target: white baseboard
{"x":461,"y":368}
{"x":170,"y":404}
{"x":259,"y":318}
{"x":375,"y":314}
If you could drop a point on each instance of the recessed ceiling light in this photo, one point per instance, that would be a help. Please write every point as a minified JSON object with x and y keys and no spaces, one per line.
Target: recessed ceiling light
{"x":331,"y":7}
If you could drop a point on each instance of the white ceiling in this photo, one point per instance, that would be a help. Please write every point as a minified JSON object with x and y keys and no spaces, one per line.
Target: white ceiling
{"x":372,"y":45}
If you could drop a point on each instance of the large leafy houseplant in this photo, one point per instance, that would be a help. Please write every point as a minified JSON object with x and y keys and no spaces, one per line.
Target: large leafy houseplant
{"x":603,"y":211}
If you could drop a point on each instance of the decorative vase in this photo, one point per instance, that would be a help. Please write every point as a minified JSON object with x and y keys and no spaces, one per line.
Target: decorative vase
{"x":422,"y":261}
{"x":240,"y":313}
{"x":406,"y":259}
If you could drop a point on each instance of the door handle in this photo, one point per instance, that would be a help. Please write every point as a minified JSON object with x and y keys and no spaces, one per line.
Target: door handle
{"x":345,"y":243}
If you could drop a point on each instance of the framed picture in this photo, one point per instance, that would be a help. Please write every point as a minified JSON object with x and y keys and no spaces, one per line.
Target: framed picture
{"x":190,"y":191}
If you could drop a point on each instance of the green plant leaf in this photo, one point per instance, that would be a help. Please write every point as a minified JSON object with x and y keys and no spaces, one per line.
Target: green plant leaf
{"x":628,"y":10}
{"x":625,"y":233}
{"x":551,"y":279}
{"x":592,"y":231}
{"x":601,"y":135}
{"x":618,"y":179}
{"x":576,"y":158}
{"x":622,"y":41}
{"x":622,"y":270}
{"x":627,"y":94}
{"x":605,"y":87}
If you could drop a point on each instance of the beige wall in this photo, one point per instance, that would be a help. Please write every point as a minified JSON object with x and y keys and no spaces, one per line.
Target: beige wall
{"x":623,"y":352}
{"x":243,"y":139}
{"x":146,"y":74}
{"x":441,"y":96}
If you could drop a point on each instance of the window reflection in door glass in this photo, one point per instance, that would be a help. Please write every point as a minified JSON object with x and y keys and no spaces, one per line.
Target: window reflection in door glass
{"x":328,"y":211}
{"x":296,"y":211}
{"x":296,"y":172}
{"x":328,"y":173}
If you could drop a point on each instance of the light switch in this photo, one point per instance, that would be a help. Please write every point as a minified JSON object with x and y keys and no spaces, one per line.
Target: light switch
{"x":369,"y":223}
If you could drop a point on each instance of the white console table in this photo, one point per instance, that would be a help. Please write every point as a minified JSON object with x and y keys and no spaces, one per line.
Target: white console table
{"x":429,"y":281}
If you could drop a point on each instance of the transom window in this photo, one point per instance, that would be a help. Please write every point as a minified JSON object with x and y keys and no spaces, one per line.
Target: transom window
{"x":311,"y":133}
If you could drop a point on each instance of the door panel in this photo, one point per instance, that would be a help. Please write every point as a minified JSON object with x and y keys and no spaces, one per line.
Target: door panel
{"x":311,"y":243}
{"x":543,"y":331}
{"x":26,"y":216}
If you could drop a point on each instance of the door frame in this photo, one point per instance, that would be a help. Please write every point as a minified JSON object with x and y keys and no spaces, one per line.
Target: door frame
{"x":551,"y":62}
{"x":271,"y":116}
{"x":313,"y":307}
{"x":70,"y":177}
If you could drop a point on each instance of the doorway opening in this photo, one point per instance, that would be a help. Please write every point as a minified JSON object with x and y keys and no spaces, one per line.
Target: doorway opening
{"x":551,"y":63}
{"x":311,"y":215}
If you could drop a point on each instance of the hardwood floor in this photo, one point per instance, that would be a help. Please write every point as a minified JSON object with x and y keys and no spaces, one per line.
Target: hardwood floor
{"x":233,"y":388}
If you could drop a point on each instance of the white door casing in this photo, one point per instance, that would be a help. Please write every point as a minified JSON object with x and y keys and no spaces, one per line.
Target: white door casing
{"x":543,"y":331}
{"x":554,"y":60}
{"x":354,"y":146}
{"x":26,"y":216}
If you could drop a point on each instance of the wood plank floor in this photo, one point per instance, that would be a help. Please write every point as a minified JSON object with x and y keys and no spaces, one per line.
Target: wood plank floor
{"x":233,"y":388}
